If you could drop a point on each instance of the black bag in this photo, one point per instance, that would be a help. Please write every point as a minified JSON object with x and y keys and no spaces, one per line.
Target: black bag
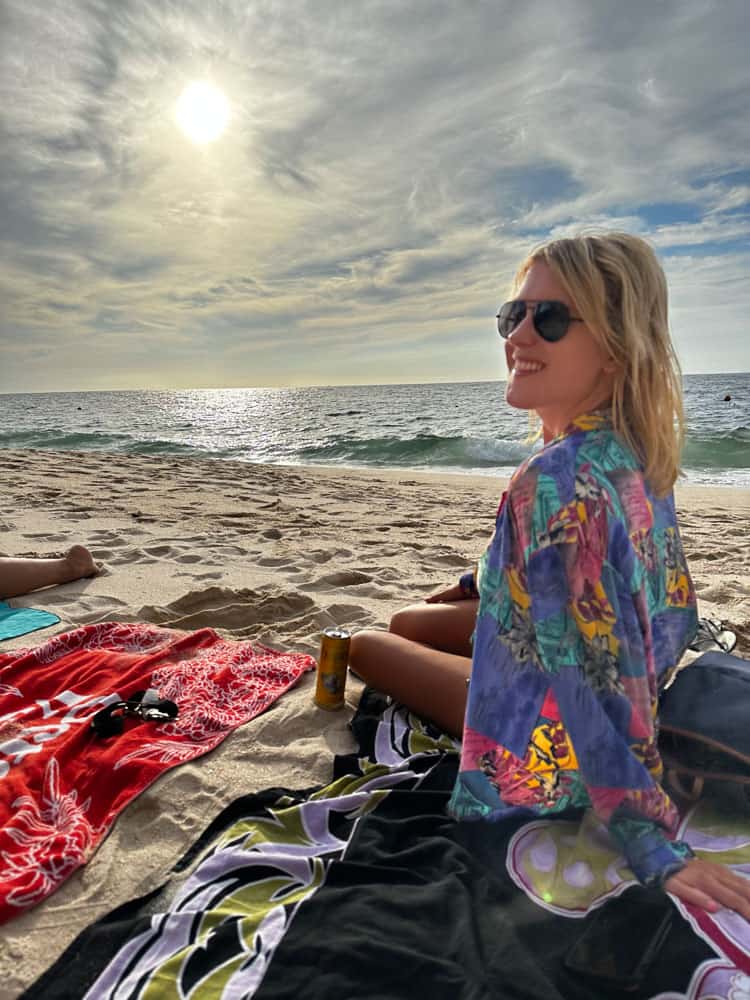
{"x":704,"y":730}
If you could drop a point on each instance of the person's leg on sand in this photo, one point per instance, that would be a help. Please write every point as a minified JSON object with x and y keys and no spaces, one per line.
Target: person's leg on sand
{"x":423,"y":662}
{"x":447,"y":626}
{"x":21,"y":576}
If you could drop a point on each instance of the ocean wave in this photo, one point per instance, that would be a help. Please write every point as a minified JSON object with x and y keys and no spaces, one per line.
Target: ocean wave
{"x":727,"y":450}
{"x":58,"y":440}
{"x":158,"y":447}
{"x":720,"y":456}
{"x":424,"y":450}
{"x":51,"y":439}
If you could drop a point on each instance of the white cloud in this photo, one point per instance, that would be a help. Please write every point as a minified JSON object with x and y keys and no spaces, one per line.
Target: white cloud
{"x":710,"y":301}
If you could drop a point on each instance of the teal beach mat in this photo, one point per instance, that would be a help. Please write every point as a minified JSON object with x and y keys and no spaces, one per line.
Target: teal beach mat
{"x":19,"y":621}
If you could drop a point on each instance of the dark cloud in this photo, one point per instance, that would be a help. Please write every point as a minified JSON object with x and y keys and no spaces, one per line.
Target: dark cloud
{"x":137,"y":269}
{"x":63,"y":307}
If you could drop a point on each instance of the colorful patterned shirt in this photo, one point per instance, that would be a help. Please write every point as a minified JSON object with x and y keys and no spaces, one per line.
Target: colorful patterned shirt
{"x":585,"y":602}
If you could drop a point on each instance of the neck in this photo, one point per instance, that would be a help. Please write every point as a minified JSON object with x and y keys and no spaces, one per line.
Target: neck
{"x":553,"y":425}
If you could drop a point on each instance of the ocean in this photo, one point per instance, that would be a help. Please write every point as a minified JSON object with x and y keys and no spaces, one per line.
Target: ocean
{"x":460,"y":427}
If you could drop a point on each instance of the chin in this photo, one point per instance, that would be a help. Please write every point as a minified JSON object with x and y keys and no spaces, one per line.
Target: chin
{"x":515,"y":398}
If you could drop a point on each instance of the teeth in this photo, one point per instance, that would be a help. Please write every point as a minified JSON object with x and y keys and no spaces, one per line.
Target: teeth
{"x":527,"y":366}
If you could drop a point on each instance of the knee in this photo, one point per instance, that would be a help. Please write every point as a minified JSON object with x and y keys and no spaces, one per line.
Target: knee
{"x":397,"y":622}
{"x":368,"y":652}
{"x":406,"y":622}
{"x":360,"y":647}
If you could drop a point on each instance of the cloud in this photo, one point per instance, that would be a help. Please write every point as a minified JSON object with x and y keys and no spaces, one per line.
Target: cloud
{"x":385,"y":167}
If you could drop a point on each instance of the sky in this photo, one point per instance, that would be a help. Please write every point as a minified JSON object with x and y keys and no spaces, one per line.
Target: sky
{"x":385,"y":166}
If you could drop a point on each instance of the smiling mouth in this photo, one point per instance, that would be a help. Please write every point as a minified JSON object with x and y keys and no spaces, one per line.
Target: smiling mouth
{"x":527,"y":367}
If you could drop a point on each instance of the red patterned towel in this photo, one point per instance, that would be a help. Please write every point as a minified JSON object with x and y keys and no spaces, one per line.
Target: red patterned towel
{"x":61,"y":786}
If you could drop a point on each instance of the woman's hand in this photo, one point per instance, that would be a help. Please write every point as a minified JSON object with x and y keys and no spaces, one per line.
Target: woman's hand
{"x":711,"y":886}
{"x":453,"y":593}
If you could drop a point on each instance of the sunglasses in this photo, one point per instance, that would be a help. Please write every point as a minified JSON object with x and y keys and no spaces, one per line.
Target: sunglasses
{"x":144,"y":705}
{"x":551,"y":319}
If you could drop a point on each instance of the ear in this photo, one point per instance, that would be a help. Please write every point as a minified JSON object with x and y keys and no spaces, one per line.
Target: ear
{"x":611,"y":367}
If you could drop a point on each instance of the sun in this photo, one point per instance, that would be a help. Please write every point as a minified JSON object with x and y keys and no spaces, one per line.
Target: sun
{"x":202,"y":112}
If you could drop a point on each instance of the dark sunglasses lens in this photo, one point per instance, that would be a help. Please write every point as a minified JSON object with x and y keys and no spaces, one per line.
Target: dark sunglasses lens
{"x":510,"y":315}
{"x":551,"y":320}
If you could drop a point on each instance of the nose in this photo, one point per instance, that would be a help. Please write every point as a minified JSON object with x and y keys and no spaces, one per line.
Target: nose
{"x":525,"y":331}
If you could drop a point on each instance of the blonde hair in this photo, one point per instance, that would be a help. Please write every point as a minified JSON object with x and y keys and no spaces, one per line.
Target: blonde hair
{"x":619,"y":289}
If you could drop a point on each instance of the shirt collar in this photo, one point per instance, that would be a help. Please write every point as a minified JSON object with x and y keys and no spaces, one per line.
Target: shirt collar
{"x":591,"y":421}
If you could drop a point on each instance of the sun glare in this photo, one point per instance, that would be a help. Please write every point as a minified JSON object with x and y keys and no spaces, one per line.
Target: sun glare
{"x":202,"y":112}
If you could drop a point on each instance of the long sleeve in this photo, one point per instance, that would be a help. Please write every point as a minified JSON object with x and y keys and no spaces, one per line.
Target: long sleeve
{"x":469,"y":581}
{"x":586,"y":598}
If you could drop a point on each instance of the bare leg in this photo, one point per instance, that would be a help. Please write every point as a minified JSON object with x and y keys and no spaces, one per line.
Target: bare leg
{"x":447,"y":627}
{"x":21,"y":576}
{"x":428,"y":679}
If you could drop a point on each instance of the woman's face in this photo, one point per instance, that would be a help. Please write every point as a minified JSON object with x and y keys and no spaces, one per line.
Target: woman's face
{"x":558,"y":380}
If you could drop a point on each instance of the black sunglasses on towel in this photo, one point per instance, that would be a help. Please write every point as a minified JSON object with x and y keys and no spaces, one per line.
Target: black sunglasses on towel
{"x":144,"y":705}
{"x":551,"y":319}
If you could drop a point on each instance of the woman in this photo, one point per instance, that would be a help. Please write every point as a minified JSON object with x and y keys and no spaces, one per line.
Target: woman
{"x":583,"y":600}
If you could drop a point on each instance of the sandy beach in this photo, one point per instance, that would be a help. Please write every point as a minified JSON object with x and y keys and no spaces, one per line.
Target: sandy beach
{"x":272,"y":554}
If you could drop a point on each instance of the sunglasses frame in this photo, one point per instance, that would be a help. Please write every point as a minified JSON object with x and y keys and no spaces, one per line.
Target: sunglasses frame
{"x":144,"y":705}
{"x":563,"y":316}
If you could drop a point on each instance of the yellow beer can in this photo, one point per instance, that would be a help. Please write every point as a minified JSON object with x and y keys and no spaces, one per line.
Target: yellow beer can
{"x":332,"y":665}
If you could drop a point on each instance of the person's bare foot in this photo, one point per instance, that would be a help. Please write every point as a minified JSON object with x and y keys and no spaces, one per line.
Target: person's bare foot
{"x":79,"y":563}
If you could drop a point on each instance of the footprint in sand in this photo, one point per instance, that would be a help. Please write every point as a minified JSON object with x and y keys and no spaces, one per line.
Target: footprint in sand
{"x":348,"y":614}
{"x":444,"y":558}
{"x":319,"y":556}
{"x":389,"y":575}
{"x":305,"y":631}
{"x":159,"y":550}
{"x":199,"y":576}
{"x":223,"y":607}
{"x":47,"y":537}
{"x":93,"y":605}
{"x":364,"y":584}
{"x":709,"y":556}
{"x":275,"y":561}
{"x":111,"y":538}
{"x":133,"y":555}
{"x":344,"y":578}
{"x":717,"y":593}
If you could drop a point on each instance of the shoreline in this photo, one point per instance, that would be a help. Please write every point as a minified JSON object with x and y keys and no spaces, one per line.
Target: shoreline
{"x":467,"y":478}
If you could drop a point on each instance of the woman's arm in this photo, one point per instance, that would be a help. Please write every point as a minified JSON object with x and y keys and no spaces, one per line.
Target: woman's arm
{"x":610,"y":717}
{"x":586,"y":614}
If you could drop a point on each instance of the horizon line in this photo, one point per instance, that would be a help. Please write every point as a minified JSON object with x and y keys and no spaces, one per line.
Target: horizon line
{"x":269,"y":388}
